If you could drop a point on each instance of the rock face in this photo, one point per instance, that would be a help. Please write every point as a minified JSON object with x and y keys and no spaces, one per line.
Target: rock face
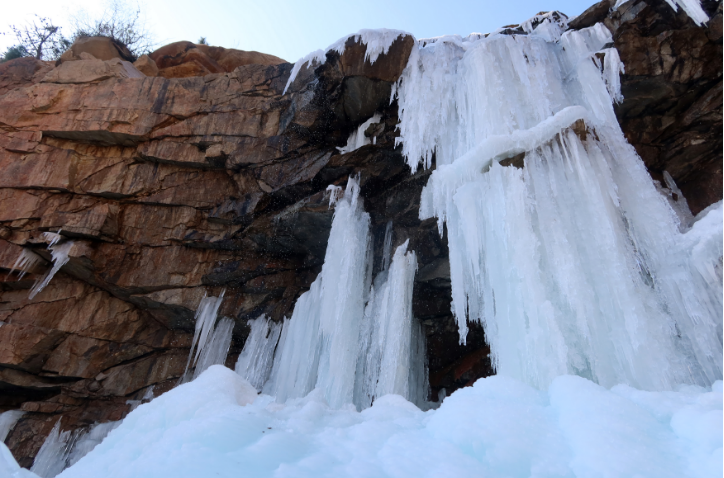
{"x":196,"y":174}
{"x":185,"y":59}
{"x":672,"y":89}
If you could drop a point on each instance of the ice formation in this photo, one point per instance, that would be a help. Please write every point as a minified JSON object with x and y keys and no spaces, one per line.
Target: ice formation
{"x":574,"y":264}
{"x":352,"y":341}
{"x":316,"y":345}
{"x":358,"y":139}
{"x":59,"y":252}
{"x":256,"y":358}
{"x":601,"y":301}
{"x":217,"y":347}
{"x":86,"y":442}
{"x":692,"y":8}
{"x":205,"y":319}
{"x":385,"y":364}
{"x":7,"y":422}
{"x":52,"y":458}
{"x":25,"y":262}
{"x":500,"y":427}
{"x":378,"y":43}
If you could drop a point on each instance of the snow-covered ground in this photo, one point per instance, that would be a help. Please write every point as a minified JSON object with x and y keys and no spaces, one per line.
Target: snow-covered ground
{"x":217,"y":426}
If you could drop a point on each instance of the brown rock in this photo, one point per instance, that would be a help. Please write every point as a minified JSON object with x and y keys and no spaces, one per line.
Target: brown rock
{"x":126,"y":379}
{"x":171,"y":54}
{"x":146,"y":65}
{"x":232,"y":59}
{"x":184,"y":70}
{"x":87,"y":71}
{"x":85,"y":357}
{"x":387,"y":67}
{"x":22,"y":72}
{"x":101,"y":48}
{"x":185,"y":59}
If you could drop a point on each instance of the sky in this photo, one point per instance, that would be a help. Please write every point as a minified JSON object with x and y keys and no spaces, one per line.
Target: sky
{"x":290,"y":29}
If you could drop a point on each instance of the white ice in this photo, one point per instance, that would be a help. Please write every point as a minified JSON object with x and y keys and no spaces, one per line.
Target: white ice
{"x":205,"y":318}
{"x":692,"y":8}
{"x":216,"y":349}
{"x":257,"y":357}
{"x":378,"y":42}
{"x":358,"y":139}
{"x":318,"y":345}
{"x":59,"y":252}
{"x":52,"y":458}
{"x":500,"y":427}
{"x":385,"y":362}
{"x":7,"y":422}
{"x":574,"y":264}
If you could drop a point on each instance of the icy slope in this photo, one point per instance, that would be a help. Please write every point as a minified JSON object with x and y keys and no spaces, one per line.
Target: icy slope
{"x":218,"y":426}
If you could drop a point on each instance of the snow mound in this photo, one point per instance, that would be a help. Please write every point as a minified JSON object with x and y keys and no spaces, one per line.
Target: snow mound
{"x":500,"y":427}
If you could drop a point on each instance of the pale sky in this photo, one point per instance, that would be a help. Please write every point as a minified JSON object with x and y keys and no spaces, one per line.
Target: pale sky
{"x":292,"y":28}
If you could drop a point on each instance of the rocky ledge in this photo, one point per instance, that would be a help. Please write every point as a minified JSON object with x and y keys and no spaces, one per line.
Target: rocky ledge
{"x":190,"y":171}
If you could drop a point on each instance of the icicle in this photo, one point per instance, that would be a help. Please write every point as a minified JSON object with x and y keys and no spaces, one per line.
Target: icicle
{"x":25,"y":263}
{"x":88,"y":441}
{"x":387,"y":246}
{"x":358,"y":139}
{"x":52,"y":458}
{"x":214,"y":351}
{"x":612,"y":69}
{"x":7,"y":422}
{"x":391,"y":352}
{"x":574,"y":264}
{"x":60,"y":256}
{"x":395,"y":330}
{"x":692,"y":8}
{"x":256,"y":358}
{"x":205,"y":318}
{"x":318,"y":345}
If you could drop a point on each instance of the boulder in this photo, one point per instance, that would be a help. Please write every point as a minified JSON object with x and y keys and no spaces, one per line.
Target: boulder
{"x":146,"y":65}
{"x":204,"y":59}
{"x":102,"y":48}
{"x":88,"y":71}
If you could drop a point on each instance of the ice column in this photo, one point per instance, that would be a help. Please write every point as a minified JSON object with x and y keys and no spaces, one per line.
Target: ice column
{"x":256,"y":359}
{"x":388,"y":341}
{"x":205,"y":319}
{"x":215,"y":350}
{"x":318,"y":345}
{"x":575,"y":263}
{"x":52,"y":458}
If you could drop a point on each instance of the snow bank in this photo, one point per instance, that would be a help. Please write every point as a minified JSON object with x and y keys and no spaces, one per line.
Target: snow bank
{"x":500,"y":427}
{"x":9,"y":468}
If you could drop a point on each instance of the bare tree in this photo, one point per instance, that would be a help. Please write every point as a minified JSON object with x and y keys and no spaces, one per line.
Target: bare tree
{"x":41,"y":39}
{"x":120,"y":22}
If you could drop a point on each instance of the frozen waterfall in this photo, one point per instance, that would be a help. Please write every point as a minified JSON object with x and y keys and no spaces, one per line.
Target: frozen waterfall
{"x":601,"y":299}
{"x":569,"y":256}
{"x":352,"y":341}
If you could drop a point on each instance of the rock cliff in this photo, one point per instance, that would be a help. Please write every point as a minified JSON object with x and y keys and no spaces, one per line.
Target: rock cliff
{"x":191,"y":171}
